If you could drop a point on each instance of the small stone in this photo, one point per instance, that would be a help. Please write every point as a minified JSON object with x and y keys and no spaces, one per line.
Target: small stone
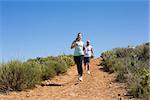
{"x":27,"y":95}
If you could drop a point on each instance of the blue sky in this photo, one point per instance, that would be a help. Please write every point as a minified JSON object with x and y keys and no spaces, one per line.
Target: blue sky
{"x":32,"y":29}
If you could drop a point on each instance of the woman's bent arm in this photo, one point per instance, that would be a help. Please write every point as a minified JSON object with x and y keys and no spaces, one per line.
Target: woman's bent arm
{"x":73,"y":45}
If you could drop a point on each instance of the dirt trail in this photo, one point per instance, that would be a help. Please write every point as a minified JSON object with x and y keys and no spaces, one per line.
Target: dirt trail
{"x":99,"y":85}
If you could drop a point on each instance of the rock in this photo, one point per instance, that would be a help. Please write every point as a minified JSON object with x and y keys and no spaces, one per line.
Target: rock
{"x":27,"y":95}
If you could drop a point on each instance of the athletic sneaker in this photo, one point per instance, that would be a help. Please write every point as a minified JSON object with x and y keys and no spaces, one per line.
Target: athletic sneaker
{"x":88,"y":72}
{"x":80,"y":78}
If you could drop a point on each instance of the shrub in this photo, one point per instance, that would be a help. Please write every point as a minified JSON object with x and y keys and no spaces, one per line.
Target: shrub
{"x":140,"y":79}
{"x":16,"y":75}
{"x":57,"y":64}
{"x":52,"y":66}
{"x":132,"y":66}
{"x":33,"y":72}
{"x":68,"y":59}
{"x":47,"y":72}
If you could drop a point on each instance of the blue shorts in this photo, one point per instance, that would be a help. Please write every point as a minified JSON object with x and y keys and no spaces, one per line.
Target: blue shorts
{"x":86,"y":60}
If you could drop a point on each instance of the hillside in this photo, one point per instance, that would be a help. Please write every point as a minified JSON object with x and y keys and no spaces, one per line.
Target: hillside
{"x":99,"y":85}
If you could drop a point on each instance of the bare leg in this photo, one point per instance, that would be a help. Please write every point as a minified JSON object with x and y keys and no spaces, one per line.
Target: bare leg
{"x":84,"y":66}
{"x":88,"y":66}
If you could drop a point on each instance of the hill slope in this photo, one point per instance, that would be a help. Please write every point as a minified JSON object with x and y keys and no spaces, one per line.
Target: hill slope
{"x":99,"y":85}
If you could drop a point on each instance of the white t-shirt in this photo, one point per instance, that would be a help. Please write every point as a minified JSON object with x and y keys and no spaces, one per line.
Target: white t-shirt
{"x":88,"y":51}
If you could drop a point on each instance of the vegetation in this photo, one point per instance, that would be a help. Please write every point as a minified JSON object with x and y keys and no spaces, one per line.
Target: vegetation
{"x":132,"y":66}
{"x":16,"y":75}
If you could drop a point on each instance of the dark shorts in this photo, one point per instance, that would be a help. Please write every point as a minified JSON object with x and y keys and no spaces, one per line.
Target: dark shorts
{"x":86,"y":60}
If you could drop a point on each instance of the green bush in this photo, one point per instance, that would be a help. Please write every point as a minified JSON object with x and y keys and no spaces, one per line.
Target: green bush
{"x":52,"y":66}
{"x":132,"y":66}
{"x":16,"y":75}
{"x":57,"y":65}
{"x":47,"y":72}
{"x":68,"y":59}
{"x":140,"y":79}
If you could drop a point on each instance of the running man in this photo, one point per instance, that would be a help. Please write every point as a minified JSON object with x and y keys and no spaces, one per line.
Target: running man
{"x":78,"y":54}
{"x":88,"y":53}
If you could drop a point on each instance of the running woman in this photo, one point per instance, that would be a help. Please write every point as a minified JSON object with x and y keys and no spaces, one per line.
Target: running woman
{"x":88,"y":53}
{"x":78,"y":54}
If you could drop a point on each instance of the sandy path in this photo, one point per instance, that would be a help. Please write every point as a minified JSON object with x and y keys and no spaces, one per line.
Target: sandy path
{"x":98,"y":85}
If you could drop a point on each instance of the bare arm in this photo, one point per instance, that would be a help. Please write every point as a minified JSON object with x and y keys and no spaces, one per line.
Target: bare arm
{"x":92,"y":51}
{"x":73,"y":45}
{"x":83,"y":47}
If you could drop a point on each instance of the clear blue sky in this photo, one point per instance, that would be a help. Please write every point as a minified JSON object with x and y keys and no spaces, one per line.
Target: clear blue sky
{"x":32,"y":29}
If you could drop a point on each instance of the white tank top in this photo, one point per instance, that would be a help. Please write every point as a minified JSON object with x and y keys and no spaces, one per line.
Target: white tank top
{"x":88,"y":51}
